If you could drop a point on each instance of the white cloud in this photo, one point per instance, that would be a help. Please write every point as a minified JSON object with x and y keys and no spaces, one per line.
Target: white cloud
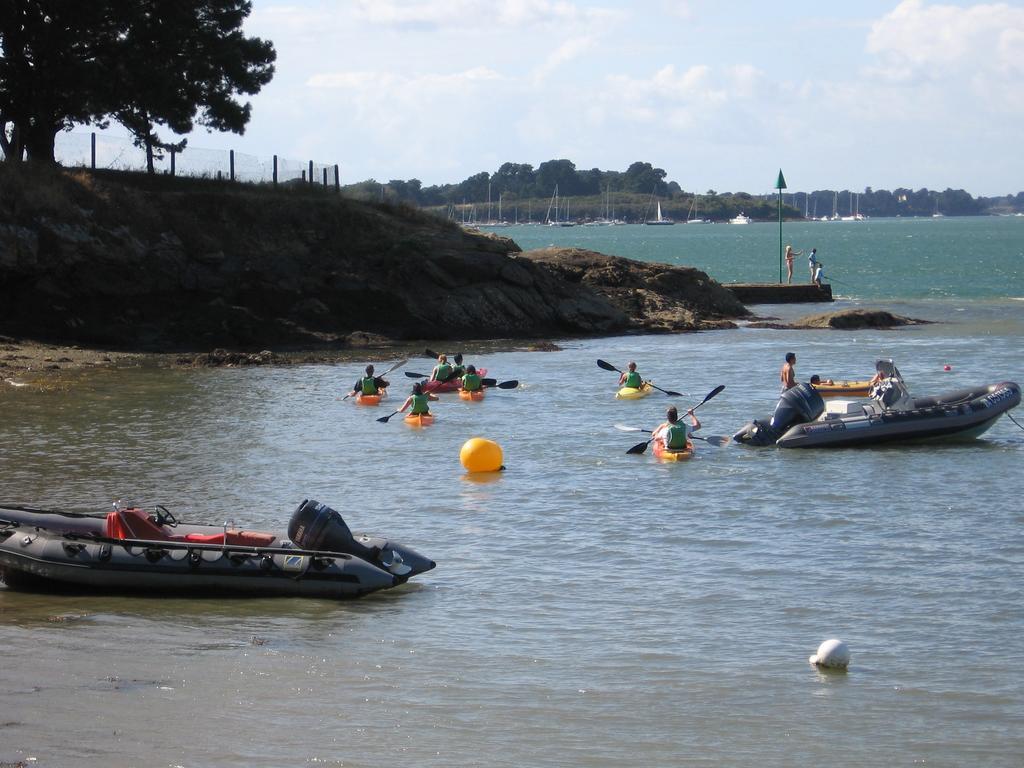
{"x":566,"y":52}
{"x":478,"y":13}
{"x":918,"y":42}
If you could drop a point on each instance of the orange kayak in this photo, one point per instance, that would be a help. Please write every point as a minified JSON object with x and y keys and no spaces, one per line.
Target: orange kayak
{"x":419,"y":419}
{"x":362,"y":399}
{"x":476,"y":394}
{"x":672,"y":454}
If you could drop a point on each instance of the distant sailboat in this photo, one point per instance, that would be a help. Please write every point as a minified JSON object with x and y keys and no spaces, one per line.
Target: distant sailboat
{"x":556,"y":222}
{"x":937,"y":214}
{"x":659,"y":220}
{"x":691,"y":217}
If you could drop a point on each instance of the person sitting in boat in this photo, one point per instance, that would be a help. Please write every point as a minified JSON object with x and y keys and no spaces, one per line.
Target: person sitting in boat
{"x":458,"y":370}
{"x":676,"y":433}
{"x":369,"y":384}
{"x":816,"y":381}
{"x":419,"y":400}
{"x":471,"y":381}
{"x":443,"y":371}
{"x":630,"y":377}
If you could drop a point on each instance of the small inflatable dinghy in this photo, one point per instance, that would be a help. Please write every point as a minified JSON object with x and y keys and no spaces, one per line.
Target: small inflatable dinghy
{"x":802,"y":420}
{"x":130,"y":550}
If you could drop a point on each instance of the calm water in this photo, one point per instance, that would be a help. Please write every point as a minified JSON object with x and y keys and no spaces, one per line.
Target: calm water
{"x":589,"y":608}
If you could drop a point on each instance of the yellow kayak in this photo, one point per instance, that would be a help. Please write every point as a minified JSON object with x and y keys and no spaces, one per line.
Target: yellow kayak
{"x":844,"y":388}
{"x":672,"y":454}
{"x":634,"y":393}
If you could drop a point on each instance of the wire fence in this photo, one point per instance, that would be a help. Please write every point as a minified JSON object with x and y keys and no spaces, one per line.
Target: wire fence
{"x":98,"y":150}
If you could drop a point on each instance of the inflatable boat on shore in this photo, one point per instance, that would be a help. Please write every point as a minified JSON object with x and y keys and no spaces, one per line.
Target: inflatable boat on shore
{"x":802,"y":419}
{"x":132,"y":551}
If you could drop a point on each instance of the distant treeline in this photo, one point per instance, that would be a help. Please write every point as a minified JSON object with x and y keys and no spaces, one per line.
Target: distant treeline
{"x":525,"y":192}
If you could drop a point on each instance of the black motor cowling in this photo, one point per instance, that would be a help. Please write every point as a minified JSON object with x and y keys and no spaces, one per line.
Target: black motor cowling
{"x":317,"y":527}
{"x":797,"y":405}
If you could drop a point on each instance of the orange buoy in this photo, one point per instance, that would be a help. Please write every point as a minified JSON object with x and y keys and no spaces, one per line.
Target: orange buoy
{"x":481,"y":455}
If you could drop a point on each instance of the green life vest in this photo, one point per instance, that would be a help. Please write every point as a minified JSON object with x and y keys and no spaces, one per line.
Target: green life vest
{"x":420,"y":404}
{"x":634,"y":379}
{"x":676,"y":436}
{"x":369,"y":386}
{"x":444,"y":372}
{"x":471,"y":381}
{"x":458,"y":371}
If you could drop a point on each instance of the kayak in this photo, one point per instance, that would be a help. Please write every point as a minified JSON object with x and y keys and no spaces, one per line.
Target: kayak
{"x":362,"y":399}
{"x":672,"y":454}
{"x":419,"y":419}
{"x":452,"y":385}
{"x":634,"y":393}
{"x":476,"y":394}
{"x":844,"y":388}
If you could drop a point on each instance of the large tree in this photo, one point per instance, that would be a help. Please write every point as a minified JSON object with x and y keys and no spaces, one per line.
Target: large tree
{"x":145,"y":63}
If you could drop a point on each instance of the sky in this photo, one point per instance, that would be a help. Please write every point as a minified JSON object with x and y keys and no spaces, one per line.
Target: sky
{"x":721,"y":95}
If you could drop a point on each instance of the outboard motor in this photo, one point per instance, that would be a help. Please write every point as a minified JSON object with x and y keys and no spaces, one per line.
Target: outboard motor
{"x":318,"y":527}
{"x":797,"y":405}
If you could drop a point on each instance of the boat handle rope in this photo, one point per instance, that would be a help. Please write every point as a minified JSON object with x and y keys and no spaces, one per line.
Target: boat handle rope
{"x":1010,"y":417}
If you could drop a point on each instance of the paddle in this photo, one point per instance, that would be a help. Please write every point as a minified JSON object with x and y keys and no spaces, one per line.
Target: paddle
{"x":510,"y":384}
{"x":385,"y":419}
{"x":609,"y":367}
{"x":399,"y":364}
{"x":641,"y":447}
{"x":412,"y":375}
{"x":717,"y":440}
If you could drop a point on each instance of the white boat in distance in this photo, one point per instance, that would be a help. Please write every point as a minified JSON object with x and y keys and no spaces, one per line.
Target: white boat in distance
{"x":740,"y":218}
{"x":691,"y":217}
{"x":659,"y":220}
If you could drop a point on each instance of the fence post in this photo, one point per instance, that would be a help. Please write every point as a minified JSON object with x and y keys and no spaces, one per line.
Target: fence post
{"x":310,"y":171}
{"x":231,"y":154}
{"x":303,"y":174}
{"x":337,"y":179}
{"x":275,"y":170}
{"x":92,"y":142}
{"x":173,"y":155}
{"x":324,"y":169}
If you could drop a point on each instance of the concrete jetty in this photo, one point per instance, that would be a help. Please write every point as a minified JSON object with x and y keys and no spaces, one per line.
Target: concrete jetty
{"x":780,"y":293}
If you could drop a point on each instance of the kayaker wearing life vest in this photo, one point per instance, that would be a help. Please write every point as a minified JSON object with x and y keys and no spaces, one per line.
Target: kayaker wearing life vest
{"x":675,"y":433}
{"x":369,"y":384}
{"x":458,"y":370}
{"x":443,"y":371}
{"x":471,"y":381}
{"x":419,"y":400}
{"x":630,"y":378}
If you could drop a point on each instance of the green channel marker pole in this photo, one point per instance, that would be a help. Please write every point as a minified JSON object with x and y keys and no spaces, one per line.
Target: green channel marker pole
{"x":780,"y":185}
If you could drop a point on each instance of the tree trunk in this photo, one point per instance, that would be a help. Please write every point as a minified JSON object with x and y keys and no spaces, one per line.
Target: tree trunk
{"x":149,"y":156}
{"x":39,"y":141}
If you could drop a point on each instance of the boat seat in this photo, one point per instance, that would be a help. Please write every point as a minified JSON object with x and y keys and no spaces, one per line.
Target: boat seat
{"x":134,"y":524}
{"x":234,"y":538}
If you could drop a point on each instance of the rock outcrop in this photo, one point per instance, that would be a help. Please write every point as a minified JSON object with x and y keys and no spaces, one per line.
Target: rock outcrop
{"x":183,"y":264}
{"x":845,"y":320}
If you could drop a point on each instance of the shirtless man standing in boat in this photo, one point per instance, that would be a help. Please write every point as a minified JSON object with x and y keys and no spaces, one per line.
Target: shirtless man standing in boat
{"x":788,"y":373}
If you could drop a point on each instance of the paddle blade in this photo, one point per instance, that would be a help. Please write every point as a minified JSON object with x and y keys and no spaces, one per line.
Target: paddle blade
{"x":385,"y":419}
{"x":412,"y":375}
{"x":607,"y":366}
{"x":510,"y":384}
{"x":718,"y":440}
{"x":624,"y":428}
{"x":670,"y":393}
{"x":639,"y":447}
{"x":712,"y":393}
{"x":431,"y":354}
{"x":489,"y":382}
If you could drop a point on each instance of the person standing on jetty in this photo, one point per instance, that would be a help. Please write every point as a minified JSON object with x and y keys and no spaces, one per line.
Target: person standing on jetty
{"x":790,"y":253}
{"x":787,"y":376}
{"x":630,"y":377}
{"x":812,"y":261}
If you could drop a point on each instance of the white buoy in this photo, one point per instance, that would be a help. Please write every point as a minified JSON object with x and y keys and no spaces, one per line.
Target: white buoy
{"x":832,"y":654}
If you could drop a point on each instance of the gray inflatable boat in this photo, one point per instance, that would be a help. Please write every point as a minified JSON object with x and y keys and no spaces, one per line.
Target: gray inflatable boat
{"x":802,"y":419}
{"x":132,"y":551}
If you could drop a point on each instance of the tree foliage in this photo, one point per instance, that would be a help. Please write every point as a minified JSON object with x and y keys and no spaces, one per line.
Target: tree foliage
{"x":144,"y":63}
